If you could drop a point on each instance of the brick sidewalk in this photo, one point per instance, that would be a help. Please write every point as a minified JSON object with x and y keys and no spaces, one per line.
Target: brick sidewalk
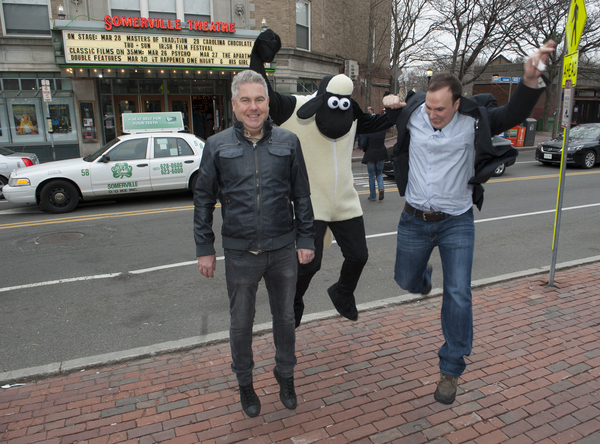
{"x":532,"y":378}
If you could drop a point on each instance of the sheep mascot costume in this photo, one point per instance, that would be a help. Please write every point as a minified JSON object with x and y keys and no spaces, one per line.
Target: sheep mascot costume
{"x":326,"y":124}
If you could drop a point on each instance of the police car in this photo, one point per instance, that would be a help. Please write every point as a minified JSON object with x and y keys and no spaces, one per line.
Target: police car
{"x":154,"y":156}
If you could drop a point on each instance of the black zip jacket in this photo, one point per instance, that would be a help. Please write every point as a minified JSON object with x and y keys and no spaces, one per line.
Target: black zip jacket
{"x":489,"y":118}
{"x":263,"y":189}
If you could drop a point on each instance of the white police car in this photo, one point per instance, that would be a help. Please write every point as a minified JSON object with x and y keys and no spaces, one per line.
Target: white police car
{"x":153,"y":157}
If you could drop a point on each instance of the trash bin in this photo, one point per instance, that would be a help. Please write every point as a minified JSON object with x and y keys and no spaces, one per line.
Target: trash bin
{"x":550,"y":124}
{"x":530,"y":125}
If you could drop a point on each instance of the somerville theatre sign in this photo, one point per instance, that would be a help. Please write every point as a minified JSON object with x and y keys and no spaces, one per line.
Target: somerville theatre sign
{"x":130,"y":48}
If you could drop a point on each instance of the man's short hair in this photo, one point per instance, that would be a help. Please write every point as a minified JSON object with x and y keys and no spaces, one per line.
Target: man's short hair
{"x":248,"y":76}
{"x":446,"y":79}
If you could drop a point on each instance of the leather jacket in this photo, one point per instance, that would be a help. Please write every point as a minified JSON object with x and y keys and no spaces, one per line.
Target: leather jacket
{"x":263,"y":189}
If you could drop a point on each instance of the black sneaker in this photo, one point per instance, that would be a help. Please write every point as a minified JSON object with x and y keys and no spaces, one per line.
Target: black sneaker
{"x":287,"y":394}
{"x":250,"y":401}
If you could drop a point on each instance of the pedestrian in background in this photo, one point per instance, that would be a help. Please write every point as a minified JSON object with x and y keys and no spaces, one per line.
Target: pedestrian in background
{"x":443,"y":155}
{"x":374,"y":157}
{"x":258,"y":173}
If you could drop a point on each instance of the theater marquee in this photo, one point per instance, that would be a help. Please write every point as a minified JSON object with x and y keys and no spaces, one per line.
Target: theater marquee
{"x":105,"y":48}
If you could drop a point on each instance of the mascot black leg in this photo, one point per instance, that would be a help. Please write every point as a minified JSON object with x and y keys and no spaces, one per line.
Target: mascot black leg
{"x":307,"y":271}
{"x":350,"y":236}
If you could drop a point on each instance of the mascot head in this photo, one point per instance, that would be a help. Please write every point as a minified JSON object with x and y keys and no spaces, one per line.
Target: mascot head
{"x":332,"y":106}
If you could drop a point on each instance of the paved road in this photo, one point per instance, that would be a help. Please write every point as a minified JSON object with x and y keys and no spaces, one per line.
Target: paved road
{"x":116,"y":276}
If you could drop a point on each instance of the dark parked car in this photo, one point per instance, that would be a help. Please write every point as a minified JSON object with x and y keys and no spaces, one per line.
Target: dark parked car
{"x":388,"y":166}
{"x":583,"y":148}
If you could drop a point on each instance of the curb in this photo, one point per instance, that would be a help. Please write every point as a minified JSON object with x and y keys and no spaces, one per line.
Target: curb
{"x":71,"y":366}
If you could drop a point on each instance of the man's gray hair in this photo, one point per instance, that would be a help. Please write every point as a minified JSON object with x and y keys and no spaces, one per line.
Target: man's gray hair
{"x":248,"y":76}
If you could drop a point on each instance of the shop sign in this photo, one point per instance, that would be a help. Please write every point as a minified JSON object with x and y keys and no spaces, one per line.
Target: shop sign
{"x":143,"y":122}
{"x":97,"y":48}
{"x":111,"y":22}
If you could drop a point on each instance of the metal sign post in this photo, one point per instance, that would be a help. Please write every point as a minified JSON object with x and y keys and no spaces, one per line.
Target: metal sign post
{"x":566,"y":124}
{"x":47,"y":96}
{"x":574,"y":28}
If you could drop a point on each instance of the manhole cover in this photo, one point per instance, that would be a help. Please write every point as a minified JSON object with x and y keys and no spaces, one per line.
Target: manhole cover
{"x":57,"y":238}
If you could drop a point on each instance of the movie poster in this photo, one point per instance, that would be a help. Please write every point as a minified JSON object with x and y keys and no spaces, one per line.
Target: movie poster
{"x":61,"y":120}
{"x":25,"y":120}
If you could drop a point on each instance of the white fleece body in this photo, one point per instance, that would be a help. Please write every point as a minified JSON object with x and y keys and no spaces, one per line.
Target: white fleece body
{"x":329,"y":167}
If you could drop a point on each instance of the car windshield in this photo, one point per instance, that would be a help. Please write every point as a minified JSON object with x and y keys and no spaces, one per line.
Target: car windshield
{"x":585,"y":132}
{"x":94,"y":156}
{"x":5,"y":151}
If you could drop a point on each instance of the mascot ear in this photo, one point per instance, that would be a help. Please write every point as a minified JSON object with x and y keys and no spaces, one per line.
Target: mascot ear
{"x":311,"y":107}
{"x":265,"y":47}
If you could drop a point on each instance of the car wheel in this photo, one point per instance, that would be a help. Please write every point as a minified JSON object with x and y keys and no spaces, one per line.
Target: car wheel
{"x":589,"y":159}
{"x":59,"y":196}
{"x":499,"y":171}
{"x":3,"y":182}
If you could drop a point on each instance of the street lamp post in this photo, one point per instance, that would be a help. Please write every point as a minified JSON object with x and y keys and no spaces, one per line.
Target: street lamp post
{"x":429,"y":74}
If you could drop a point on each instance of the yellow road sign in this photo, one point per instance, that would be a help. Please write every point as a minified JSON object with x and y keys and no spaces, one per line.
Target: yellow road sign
{"x":570,"y":68}
{"x":575,"y":23}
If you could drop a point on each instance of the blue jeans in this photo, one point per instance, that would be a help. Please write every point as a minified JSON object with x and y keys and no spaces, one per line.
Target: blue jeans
{"x":455,"y":238}
{"x":243,"y":271}
{"x":375,"y":169}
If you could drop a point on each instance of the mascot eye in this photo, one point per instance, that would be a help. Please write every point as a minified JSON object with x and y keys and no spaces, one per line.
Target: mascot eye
{"x":344,"y":104}
{"x":333,"y":102}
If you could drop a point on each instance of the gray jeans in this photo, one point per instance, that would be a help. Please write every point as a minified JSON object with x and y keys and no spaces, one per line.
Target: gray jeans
{"x":243,"y":272}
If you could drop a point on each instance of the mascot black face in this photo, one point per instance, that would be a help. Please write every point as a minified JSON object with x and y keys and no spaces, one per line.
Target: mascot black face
{"x":332,"y":107}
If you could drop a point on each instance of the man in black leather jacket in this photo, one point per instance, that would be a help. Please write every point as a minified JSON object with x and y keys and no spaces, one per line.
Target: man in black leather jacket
{"x":257,"y":171}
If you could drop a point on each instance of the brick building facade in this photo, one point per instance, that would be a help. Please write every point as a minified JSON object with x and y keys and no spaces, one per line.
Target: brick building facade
{"x":92,"y":84}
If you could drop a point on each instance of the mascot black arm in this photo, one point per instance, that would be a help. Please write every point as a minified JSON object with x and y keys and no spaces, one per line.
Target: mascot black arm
{"x":266,"y":45}
{"x":368,"y":123}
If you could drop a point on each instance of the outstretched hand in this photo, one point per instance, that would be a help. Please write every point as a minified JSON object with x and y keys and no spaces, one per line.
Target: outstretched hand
{"x":536,"y":64}
{"x":392,"y":101}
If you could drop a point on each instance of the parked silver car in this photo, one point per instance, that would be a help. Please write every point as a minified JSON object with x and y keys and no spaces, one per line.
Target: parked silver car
{"x":10,"y":160}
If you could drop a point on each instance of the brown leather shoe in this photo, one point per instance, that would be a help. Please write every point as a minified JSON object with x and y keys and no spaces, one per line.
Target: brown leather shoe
{"x":380,"y":194}
{"x":446,"y":389}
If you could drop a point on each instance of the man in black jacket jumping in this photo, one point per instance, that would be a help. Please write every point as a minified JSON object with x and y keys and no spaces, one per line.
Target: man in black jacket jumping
{"x":257,"y":171}
{"x":443,"y":155}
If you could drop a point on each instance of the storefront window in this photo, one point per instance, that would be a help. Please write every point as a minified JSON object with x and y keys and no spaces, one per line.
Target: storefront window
{"x":30,"y":84}
{"x":62,"y":113}
{"x":175,"y":86}
{"x":202,"y":87}
{"x":23,"y":114}
{"x":108,"y":118}
{"x":151,"y":86}
{"x":125,"y":86}
{"x":11,"y":84}
{"x":105,"y":86}
{"x":4,"y":132}
{"x":26,"y":120}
